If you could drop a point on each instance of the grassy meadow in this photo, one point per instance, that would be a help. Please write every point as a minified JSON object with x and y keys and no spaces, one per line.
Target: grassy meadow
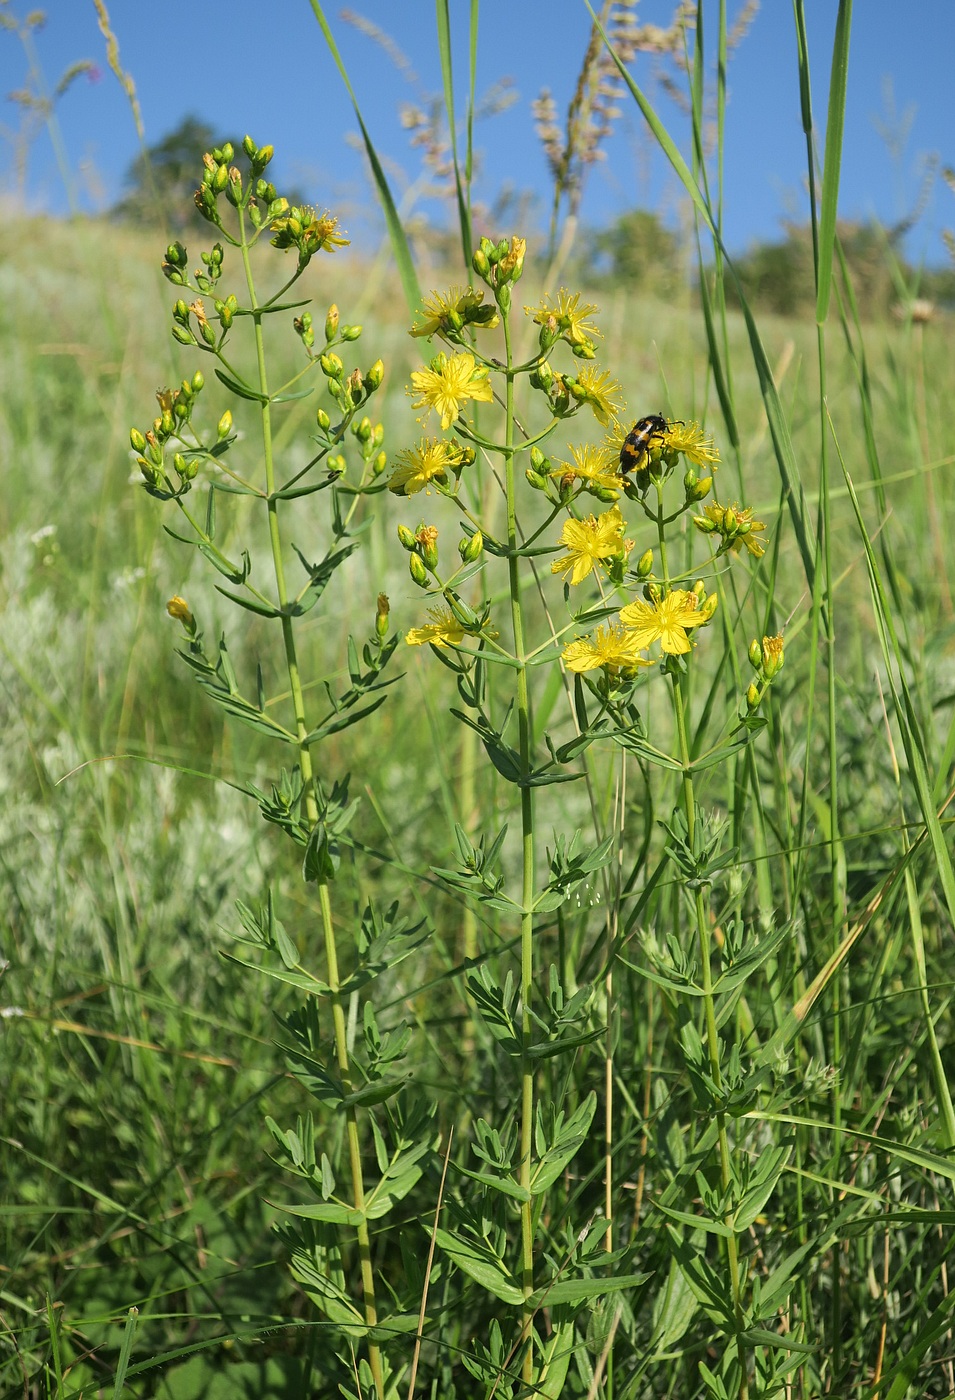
{"x":712,"y":1155}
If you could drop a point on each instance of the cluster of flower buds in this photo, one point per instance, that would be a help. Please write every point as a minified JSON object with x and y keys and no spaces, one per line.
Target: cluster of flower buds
{"x":499,"y":265}
{"x":734,"y":526}
{"x":221,"y":177}
{"x":766,"y":658}
{"x":300,"y":227}
{"x":370,"y":437}
{"x":350,"y":391}
{"x":422,"y":546}
{"x":555,"y":388}
{"x":175,"y":410}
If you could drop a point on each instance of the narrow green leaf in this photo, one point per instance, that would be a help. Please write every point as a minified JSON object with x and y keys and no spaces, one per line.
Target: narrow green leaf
{"x":244,"y":391}
{"x":399,"y":243}
{"x":481,"y":1265}
{"x":835,"y":123}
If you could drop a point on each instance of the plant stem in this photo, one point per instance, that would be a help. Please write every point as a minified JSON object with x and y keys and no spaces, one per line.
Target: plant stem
{"x":527,"y":889}
{"x":311,"y":795}
{"x":709,"y":1003}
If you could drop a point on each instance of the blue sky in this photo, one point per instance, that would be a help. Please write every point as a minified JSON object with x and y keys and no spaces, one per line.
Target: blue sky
{"x":265,"y":69}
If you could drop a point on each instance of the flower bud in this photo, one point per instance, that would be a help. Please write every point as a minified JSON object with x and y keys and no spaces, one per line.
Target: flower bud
{"x":178,"y":608}
{"x":418,"y":571}
{"x":220,"y":179}
{"x":407,"y":539}
{"x":336,"y":464}
{"x":470,"y":549}
{"x":198,"y":381}
{"x":375,"y":375}
{"x":228,"y":153}
{"x":701,"y":489}
{"x":323,"y":420}
{"x":350,"y":332}
{"x":705,"y":524}
{"x":730,"y":522}
{"x":544,"y":374}
{"x":331,"y":365}
{"x":151,"y":474}
{"x":362,"y":430}
{"x":265,"y":154}
{"x":379,"y":464}
{"x":184,"y":336}
{"x":773,"y":656}
{"x":645,"y":564}
{"x":480,"y":263}
{"x":535,"y":480}
{"x":249,"y":146}
{"x":755,"y":654}
{"x":427,"y":538}
{"x":381,"y":617}
{"x":136,"y":440}
{"x":752,"y":697}
{"x":331,"y":323}
{"x":224,"y":426}
{"x":708,"y":607}
{"x":207,"y":333}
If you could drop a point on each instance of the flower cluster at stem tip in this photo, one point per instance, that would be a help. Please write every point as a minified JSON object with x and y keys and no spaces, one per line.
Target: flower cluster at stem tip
{"x":634,"y":462}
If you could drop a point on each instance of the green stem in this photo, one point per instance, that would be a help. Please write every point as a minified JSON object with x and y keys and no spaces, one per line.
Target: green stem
{"x":527,"y":890}
{"x":709,"y":1001}
{"x":310,"y":787}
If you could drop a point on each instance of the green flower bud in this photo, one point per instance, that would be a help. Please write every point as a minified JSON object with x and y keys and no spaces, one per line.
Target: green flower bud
{"x":730,"y":522}
{"x":224,"y":427}
{"x":332,"y":366}
{"x":151,"y":474}
{"x":381,"y":616}
{"x":176,"y":255}
{"x":264,"y":156}
{"x":207,"y":333}
{"x":136,"y":440}
{"x":350,"y":332}
{"x":228,"y":153}
{"x":336,"y":464}
{"x":645,"y":564}
{"x":755,"y":654}
{"x":198,"y":381}
{"x":418,"y":571}
{"x":331,"y":323}
{"x":701,"y":489}
{"x":538,"y":460}
{"x":427,"y":538}
{"x":752,"y":697}
{"x":379,"y":464}
{"x":407,"y":538}
{"x":470,"y":549}
{"x":362,"y":430}
{"x":220,"y":179}
{"x":704,"y":524}
{"x":544,"y":374}
{"x":168,"y":423}
{"x":481,"y":264}
{"x":181,"y":312}
{"x":536,"y":480}
{"x":378,"y":436}
{"x":375,"y":375}
{"x":323,"y":420}
{"x":249,"y":146}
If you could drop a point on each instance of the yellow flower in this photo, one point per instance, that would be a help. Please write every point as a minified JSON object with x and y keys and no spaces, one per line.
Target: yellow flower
{"x":595,"y":386}
{"x":447,"y":385}
{"x":593,"y":466}
{"x":321,"y":233}
{"x":665,"y":622}
{"x":444,"y":631}
{"x":689,"y":439}
{"x":430,"y":460}
{"x":591,"y":542}
{"x":568,"y":318}
{"x":453,"y":309}
{"x":612,"y":647}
